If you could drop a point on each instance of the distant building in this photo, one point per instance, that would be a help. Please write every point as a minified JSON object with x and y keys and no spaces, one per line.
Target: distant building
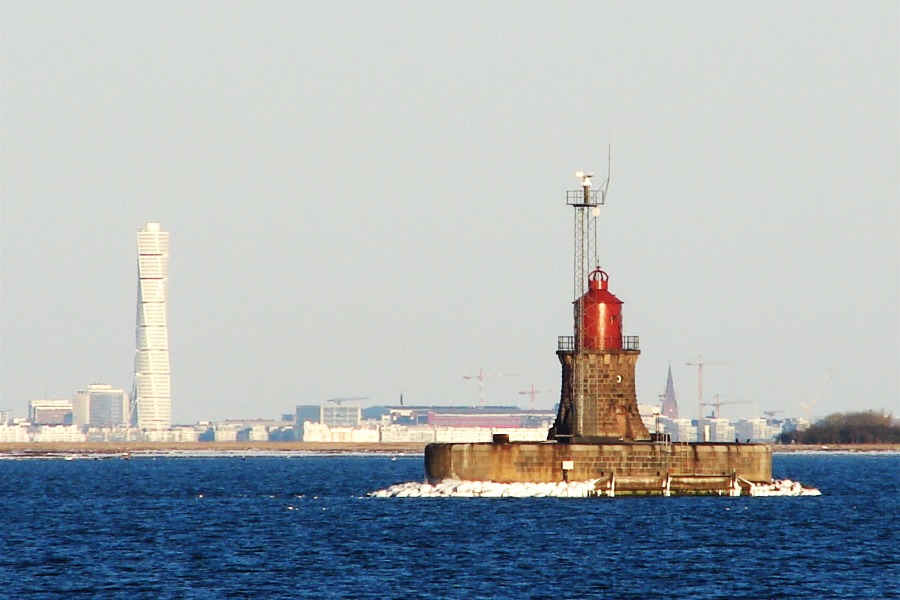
{"x":320,"y":432}
{"x":756,"y":430}
{"x":307,"y":412}
{"x":340,"y":415}
{"x":151,"y":398}
{"x":427,"y":424}
{"x":113,"y":433}
{"x":58,"y":434}
{"x":407,"y":433}
{"x":254,"y":433}
{"x":720,"y":430}
{"x":304,"y":413}
{"x":650,"y":416}
{"x":50,"y":412}
{"x":14,"y":433}
{"x":226,"y":432}
{"x":375,"y":432}
{"x":680,"y":430}
{"x":437,"y":419}
{"x":490,"y":417}
{"x":795,"y":424}
{"x":250,"y":430}
{"x":176,"y":434}
{"x":100,"y":405}
{"x":669,"y":404}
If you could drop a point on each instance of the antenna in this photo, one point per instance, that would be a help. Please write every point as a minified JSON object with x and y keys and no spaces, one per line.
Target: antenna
{"x":608,"y":164}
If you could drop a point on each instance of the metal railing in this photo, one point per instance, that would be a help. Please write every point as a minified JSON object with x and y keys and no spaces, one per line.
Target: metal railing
{"x":595,"y":198}
{"x":566,"y":343}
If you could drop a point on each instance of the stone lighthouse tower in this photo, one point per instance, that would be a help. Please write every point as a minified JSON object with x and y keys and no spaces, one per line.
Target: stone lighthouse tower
{"x":598,"y":402}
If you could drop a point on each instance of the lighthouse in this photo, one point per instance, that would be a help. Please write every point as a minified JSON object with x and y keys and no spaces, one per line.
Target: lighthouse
{"x":598,"y":399}
{"x":598,"y":436}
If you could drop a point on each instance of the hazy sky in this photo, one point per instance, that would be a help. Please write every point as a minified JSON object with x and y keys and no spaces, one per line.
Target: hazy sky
{"x":368,"y":198}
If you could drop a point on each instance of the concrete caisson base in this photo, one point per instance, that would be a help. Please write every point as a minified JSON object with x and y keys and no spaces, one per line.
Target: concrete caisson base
{"x":638,"y":467}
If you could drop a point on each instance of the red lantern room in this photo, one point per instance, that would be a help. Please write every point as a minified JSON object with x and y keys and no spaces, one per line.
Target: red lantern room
{"x":601,"y":315}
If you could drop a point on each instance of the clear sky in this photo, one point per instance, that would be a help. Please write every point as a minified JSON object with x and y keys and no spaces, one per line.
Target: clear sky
{"x":368,"y":198}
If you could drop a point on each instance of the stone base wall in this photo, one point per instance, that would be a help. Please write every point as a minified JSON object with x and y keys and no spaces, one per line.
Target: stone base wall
{"x":544,"y":462}
{"x":601,"y":402}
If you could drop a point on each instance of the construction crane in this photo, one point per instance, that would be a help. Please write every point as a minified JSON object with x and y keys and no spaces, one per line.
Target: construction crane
{"x":480,"y":377}
{"x":718,"y":403}
{"x":771,"y":413}
{"x":533,"y":392}
{"x":808,"y":408}
{"x":700,"y":364}
{"x":338,"y":401}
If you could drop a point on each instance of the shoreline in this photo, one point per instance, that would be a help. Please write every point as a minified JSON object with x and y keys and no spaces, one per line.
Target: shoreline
{"x":789,"y":449}
{"x":51,"y":448}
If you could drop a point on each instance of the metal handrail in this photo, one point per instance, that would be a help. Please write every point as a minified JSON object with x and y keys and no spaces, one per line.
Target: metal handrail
{"x":566,"y":343}
{"x":576,"y":198}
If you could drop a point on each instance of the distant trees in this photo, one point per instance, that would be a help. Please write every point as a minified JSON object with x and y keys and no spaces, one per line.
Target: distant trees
{"x":867,"y":427}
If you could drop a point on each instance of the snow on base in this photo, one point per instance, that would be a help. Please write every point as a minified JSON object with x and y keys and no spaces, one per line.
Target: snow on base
{"x":782,"y":487}
{"x":451,"y":488}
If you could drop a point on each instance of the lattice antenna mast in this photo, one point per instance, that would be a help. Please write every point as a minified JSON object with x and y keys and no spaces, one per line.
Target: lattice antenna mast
{"x":586,"y":202}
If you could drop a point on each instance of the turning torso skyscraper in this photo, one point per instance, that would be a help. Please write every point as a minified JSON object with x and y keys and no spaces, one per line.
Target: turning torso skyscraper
{"x":151,"y":401}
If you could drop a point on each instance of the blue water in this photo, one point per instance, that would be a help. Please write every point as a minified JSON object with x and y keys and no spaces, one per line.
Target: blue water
{"x":302,"y":527}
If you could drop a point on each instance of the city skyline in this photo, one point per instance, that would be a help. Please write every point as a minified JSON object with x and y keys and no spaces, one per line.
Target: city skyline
{"x":369,"y":203}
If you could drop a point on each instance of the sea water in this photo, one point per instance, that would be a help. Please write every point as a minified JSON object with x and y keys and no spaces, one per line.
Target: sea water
{"x":303,"y":527}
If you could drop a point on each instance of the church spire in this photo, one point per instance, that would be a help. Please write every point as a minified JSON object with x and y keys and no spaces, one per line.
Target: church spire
{"x":669,"y":404}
